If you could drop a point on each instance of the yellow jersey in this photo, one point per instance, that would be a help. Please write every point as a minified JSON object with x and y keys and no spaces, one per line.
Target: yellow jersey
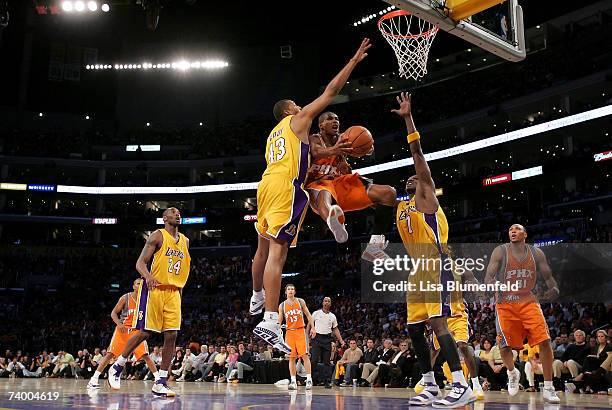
{"x":286,"y":155}
{"x":421,"y":232}
{"x":170,"y":264}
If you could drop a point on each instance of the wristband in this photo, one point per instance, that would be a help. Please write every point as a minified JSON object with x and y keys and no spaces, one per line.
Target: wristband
{"x":413,"y":137}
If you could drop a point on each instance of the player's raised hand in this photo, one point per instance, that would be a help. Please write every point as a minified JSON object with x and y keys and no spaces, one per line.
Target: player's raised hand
{"x":342,"y":146}
{"x":362,"y":51}
{"x":405,"y":105}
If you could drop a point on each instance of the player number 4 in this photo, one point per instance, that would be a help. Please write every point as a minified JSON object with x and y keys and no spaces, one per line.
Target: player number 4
{"x":176,"y":267}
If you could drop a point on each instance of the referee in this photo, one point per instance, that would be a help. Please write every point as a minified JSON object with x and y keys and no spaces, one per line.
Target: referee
{"x":325,"y":323}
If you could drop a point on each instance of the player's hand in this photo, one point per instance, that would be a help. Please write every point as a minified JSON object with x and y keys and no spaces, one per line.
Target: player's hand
{"x":342,"y":146}
{"x":151,"y":281}
{"x":313,"y":333}
{"x":122,"y":328}
{"x":405,"y":105}
{"x":361,"y":52}
{"x":550,"y":295}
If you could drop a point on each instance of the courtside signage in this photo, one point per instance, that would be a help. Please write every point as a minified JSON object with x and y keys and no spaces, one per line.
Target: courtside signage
{"x":41,"y":187}
{"x":9,"y":186}
{"x":603,"y":156}
{"x":104,"y":221}
{"x":497,"y":179}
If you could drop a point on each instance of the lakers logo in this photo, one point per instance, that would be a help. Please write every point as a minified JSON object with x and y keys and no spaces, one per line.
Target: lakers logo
{"x":140,"y":314}
{"x":291,"y":230}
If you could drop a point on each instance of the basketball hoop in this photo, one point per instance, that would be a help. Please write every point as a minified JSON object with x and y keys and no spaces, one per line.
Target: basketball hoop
{"x":410,"y":37}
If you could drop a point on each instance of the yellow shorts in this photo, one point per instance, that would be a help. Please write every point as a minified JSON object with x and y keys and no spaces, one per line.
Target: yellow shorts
{"x":428,"y":301}
{"x":159,"y":309}
{"x":281,"y":208}
{"x":119,"y":341}
{"x":458,"y":327}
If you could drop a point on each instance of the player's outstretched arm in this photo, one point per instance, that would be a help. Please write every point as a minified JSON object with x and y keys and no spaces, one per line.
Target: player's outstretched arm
{"x":153,"y":243}
{"x":544,"y":268}
{"x":427,"y":201}
{"x":493,"y":267}
{"x":301,"y":122}
{"x":116,"y":312}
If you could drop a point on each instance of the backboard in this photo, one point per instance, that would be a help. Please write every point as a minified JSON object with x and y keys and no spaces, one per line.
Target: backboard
{"x":495,"y":27}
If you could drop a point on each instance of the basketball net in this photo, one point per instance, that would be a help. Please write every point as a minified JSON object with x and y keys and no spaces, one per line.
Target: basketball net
{"x":410,"y":37}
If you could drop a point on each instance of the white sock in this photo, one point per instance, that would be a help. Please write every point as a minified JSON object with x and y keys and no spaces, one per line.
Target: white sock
{"x":476,"y":383}
{"x":308,"y":377}
{"x":163,"y":373}
{"x":156,"y":376}
{"x":458,"y":377}
{"x":548,"y":384}
{"x":96,"y":376}
{"x":121,"y":361}
{"x":293,"y":379}
{"x":271,"y":316}
{"x":429,"y":377}
{"x":258,"y":294}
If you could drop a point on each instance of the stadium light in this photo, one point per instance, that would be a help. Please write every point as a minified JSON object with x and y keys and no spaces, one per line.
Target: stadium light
{"x":182,"y":65}
{"x":105,"y":8}
{"x":92,"y":5}
{"x":67,"y":6}
{"x":365,"y":19}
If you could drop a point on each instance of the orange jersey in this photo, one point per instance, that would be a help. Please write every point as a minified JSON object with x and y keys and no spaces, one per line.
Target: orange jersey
{"x":293,"y":314}
{"x":328,"y":167}
{"x":129,"y":308}
{"x":522,"y":271}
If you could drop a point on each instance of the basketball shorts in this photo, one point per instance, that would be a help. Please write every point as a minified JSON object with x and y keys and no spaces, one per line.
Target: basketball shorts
{"x":515,"y":321}
{"x":281,"y":208}
{"x":349,"y":191}
{"x":458,"y":327}
{"x":119,"y":341}
{"x":159,"y":309}
{"x":297,"y":340}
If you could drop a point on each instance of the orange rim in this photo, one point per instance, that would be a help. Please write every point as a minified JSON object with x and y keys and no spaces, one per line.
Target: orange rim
{"x":398,"y":13}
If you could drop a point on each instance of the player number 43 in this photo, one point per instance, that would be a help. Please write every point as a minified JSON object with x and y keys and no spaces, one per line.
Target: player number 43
{"x":280,"y":146}
{"x":176,"y":267}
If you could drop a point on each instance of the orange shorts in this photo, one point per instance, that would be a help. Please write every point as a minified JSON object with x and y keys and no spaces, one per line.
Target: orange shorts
{"x":297,"y":340}
{"x":515,"y":321}
{"x":349,"y":191}
{"x":119,"y":341}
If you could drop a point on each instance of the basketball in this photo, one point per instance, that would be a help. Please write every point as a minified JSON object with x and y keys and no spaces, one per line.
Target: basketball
{"x":360,"y":138}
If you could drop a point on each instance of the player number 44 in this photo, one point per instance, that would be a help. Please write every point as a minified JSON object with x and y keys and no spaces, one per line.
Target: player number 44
{"x":176,"y":267}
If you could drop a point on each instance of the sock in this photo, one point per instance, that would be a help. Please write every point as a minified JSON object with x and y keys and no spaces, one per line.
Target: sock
{"x":476,"y":383}
{"x":293,"y":379}
{"x":429,"y":377}
{"x":156,"y":376}
{"x":308,"y":377}
{"x":458,"y":377}
{"x":258,"y":294}
{"x":121,"y":361}
{"x":163,"y":375}
{"x":548,"y":384}
{"x":271,"y":316}
{"x":96,"y":376}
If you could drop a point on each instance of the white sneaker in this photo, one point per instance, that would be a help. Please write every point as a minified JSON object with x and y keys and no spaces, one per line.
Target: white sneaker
{"x":308,"y":384}
{"x":93,"y":384}
{"x":513,"y":381}
{"x":198,"y":380}
{"x":335,"y":221}
{"x":181,"y":379}
{"x":292,"y":386}
{"x":428,"y":395}
{"x":270,"y":332}
{"x":459,"y":396}
{"x":550,"y":395}
{"x":256,"y":306}
{"x":162,"y":390}
{"x":114,"y":376}
{"x":375,"y":249}
{"x":176,"y":372}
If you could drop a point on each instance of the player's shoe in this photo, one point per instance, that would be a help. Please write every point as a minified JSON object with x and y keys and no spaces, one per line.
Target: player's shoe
{"x":428,"y":395}
{"x":513,"y":381}
{"x":256,"y":306}
{"x":550,"y":396}
{"x":420,"y":386}
{"x":478,"y":392}
{"x":114,"y":376}
{"x":271,"y":333}
{"x":292,"y":386}
{"x":459,"y":396}
{"x":376,"y":249}
{"x":335,"y":221}
{"x":93,"y":384}
{"x":308,"y":384}
{"x":162,"y":390}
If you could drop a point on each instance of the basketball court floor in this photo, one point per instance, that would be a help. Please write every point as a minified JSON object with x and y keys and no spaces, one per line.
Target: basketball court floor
{"x":72,"y":394}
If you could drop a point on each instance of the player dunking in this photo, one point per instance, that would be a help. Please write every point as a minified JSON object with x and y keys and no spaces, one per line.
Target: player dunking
{"x":424,"y":231}
{"x":330,"y":179}
{"x":293,"y":311}
{"x":518,"y":313}
{"x":123,"y":315}
{"x":159,"y":298}
{"x":281,"y":199}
